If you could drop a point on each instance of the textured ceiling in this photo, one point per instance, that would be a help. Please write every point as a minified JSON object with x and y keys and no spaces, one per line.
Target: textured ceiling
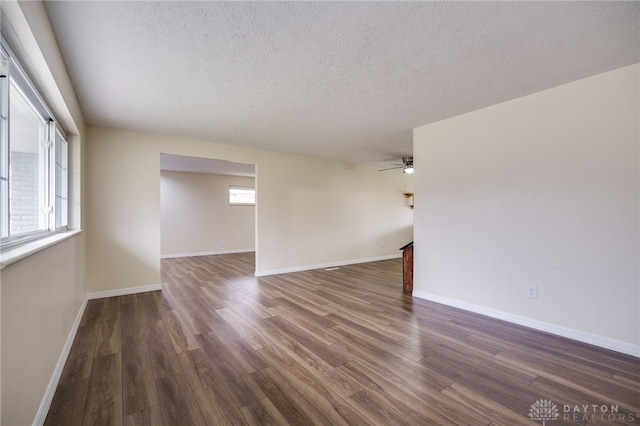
{"x":340,"y":80}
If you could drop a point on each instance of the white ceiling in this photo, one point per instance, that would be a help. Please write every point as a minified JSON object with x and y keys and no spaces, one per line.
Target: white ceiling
{"x":340,"y":80}
{"x":180,"y":163}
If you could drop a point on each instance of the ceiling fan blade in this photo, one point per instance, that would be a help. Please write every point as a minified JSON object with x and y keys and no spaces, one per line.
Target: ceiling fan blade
{"x":391,"y":168}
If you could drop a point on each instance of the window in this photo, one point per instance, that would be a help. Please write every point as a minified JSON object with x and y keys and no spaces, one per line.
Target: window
{"x":33,"y":160}
{"x":61,"y":182}
{"x":242,"y":196}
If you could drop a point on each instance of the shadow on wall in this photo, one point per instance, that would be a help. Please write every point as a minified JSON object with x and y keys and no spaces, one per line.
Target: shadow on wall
{"x":125,"y":268}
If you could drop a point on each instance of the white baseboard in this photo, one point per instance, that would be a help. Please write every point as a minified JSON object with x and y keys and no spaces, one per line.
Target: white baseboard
{"x":123,"y":291}
{"x":41,"y":415}
{"x":45,"y":404}
{"x":206,"y":253}
{"x":580,"y":336}
{"x":325,"y":265}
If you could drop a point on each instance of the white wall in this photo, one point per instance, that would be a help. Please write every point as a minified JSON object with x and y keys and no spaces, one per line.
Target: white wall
{"x":41,"y":295}
{"x":330,"y":212}
{"x":41,"y":298}
{"x":539,"y":190}
{"x":196,"y":217}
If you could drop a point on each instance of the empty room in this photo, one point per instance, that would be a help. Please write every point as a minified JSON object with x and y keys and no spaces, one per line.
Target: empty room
{"x":300,"y":213}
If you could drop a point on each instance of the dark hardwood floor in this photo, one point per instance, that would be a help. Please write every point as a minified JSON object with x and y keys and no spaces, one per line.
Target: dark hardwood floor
{"x":219,"y":346}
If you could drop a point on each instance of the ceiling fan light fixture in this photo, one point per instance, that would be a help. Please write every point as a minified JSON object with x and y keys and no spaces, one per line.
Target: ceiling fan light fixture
{"x":406,"y":166}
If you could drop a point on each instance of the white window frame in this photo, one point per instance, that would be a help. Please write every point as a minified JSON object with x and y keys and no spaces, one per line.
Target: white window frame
{"x":60,"y":201}
{"x":242,"y":188}
{"x":55,"y":140}
{"x":4,"y":142}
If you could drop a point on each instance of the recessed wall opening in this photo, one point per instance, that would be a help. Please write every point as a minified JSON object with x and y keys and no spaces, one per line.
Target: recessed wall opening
{"x":206,"y":207}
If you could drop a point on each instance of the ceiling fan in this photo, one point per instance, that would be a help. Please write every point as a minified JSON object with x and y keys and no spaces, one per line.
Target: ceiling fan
{"x":407,"y":165}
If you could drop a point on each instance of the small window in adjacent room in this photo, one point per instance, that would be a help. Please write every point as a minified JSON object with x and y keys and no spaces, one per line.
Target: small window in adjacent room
{"x":242,"y":196}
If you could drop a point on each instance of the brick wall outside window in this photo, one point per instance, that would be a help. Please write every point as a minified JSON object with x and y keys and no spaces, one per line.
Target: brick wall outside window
{"x":25,"y":204}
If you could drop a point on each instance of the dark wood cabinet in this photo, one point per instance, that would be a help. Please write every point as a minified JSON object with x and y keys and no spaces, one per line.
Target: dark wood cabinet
{"x":407,"y":268}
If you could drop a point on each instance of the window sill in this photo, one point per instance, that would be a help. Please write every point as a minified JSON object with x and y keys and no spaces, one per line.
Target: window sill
{"x":16,"y":254}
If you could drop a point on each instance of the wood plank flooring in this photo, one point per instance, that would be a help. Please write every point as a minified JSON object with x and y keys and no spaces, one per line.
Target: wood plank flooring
{"x":219,"y":346}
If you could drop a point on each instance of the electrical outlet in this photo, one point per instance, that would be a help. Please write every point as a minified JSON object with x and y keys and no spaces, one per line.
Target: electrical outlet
{"x":382,"y":244}
{"x":532,"y":291}
{"x":295,"y":253}
{"x":221,"y":244}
